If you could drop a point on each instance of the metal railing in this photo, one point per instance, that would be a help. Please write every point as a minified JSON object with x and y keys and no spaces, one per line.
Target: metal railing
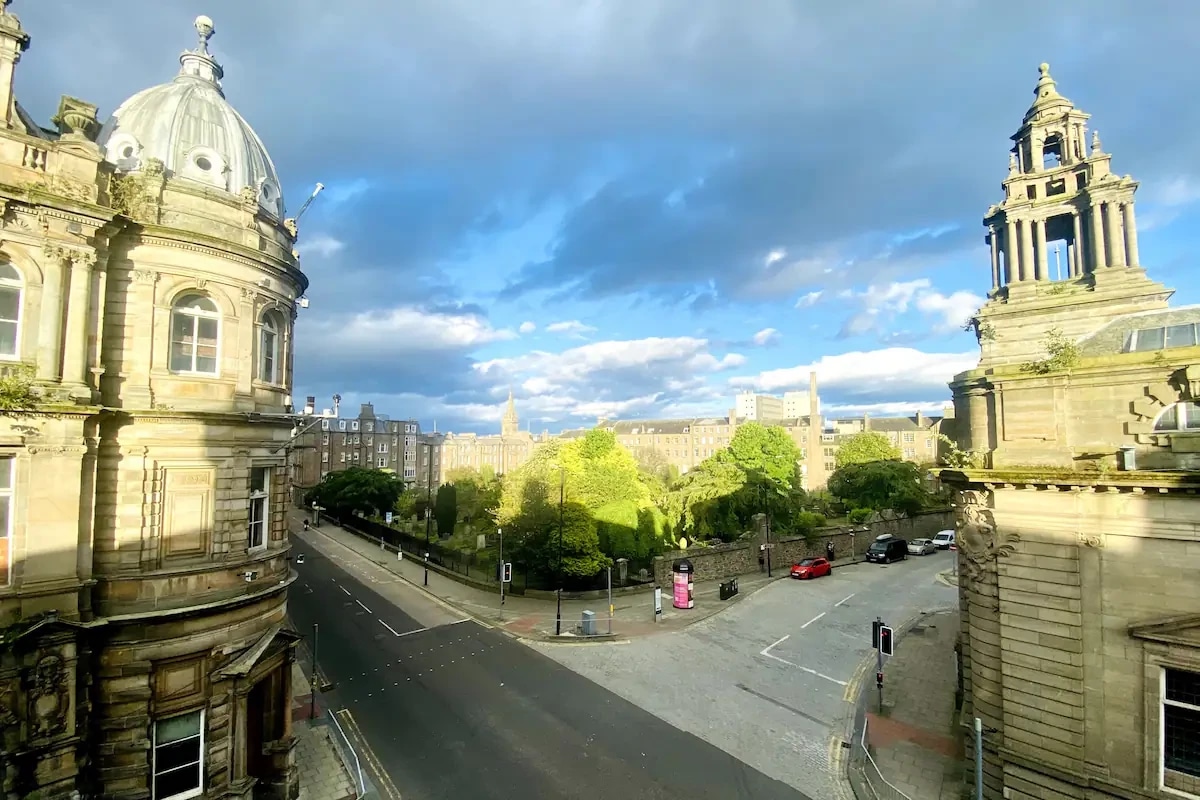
{"x":361,"y":785}
{"x":884,"y":790}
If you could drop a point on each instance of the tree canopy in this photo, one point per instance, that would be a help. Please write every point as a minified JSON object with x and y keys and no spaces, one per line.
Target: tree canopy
{"x":357,"y":490}
{"x":862,"y":448}
{"x":879,"y":485}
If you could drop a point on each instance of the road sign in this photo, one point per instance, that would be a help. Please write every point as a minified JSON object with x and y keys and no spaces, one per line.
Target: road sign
{"x":885,"y":640}
{"x":507,"y":576}
{"x":388,"y":517}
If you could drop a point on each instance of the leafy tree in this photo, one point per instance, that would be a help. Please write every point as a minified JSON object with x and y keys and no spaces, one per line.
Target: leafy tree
{"x":862,"y":448}
{"x":879,"y":485}
{"x":405,"y":506}
{"x":445,"y":509}
{"x":768,"y":451}
{"x":477,"y":495}
{"x":357,"y":490}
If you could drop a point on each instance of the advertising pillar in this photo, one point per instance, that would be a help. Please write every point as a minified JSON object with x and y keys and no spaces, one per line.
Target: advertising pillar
{"x":684,"y":594}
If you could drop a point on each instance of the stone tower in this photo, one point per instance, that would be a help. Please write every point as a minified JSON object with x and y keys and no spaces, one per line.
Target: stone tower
{"x":510,"y":424}
{"x":1064,"y":238}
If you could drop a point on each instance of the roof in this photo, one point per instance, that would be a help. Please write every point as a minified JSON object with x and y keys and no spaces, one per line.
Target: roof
{"x":1113,"y":337}
{"x":900,"y":424}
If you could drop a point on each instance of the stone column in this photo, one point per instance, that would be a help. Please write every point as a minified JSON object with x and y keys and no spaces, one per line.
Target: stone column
{"x":246,"y":364}
{"x":1099,"y":258}
{"x":1077,"y":247}
{"x":50,"y":320}
{"x":1028,"y":267}
{"x":135,"y":391}
{"x":1112,"y":235}
{"x":994,"y":245}
{"x":1039,"y":250}
{"x":1131,"y":242}
{"x":79,"y":313}
{"x":1012,"y":258}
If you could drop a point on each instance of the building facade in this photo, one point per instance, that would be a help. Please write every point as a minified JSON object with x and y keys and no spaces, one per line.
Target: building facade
{"x":1079,"y":540}
{"x":500,"y":454}
{"x":148,"y":283}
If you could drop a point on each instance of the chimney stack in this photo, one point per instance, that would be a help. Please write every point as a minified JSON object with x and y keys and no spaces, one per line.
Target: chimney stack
{"x":814,"y":473}
{"x":920,"y":419}
{"x":310,"y":405}
{"x":866,"y":421}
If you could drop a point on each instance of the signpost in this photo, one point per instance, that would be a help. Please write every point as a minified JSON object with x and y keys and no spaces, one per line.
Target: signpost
{"x":500,"y":532}
{"x":657,"y":603}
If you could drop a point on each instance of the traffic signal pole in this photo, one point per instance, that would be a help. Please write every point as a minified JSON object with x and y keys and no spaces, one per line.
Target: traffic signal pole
{"x":879,"y":661}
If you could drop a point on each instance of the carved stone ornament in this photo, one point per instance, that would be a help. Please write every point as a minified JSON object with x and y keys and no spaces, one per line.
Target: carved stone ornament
{"x":48,"y":696}
{"x":70,"y":189}
{"x":1095,"y":540}
{"x":249,"y":196}
{"x":289,"y":225}
{"x":978,"y":539}
{"x":248,"y":293}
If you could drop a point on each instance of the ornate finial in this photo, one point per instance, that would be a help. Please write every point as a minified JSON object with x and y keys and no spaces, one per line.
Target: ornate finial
{"x":205,"y":29}
{"x":1096,"y":143}
{"x":1043,"y":69}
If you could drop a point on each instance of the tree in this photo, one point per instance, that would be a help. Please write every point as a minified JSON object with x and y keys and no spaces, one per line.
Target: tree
{"x":879,"y":485}
{"x":862,"y":448}
{"x":357,"y":490}
{"x":477,"y":495}
{"x":769,"y":452}
{"x":445,"y":509}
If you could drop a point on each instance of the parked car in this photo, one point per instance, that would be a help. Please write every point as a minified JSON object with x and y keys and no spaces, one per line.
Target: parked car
{"x":811,"y":568}
{"x":886,"y":549}
{"x":922,"y":547}
{"x":944,"y":540}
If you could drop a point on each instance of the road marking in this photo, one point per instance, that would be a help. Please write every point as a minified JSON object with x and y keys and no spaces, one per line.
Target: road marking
{"x":344,"y":589}
{"x":389,"y":627}
{"x":844,"y":599}
{"x":811,"y":621}
{"x":360,"y":603}
{"x":766,"y":651}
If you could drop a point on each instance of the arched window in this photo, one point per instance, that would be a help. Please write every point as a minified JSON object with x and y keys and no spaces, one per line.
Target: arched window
{"x":268,"y":349}
{"x":195,"y":335}
{"x":11,"y":288}
{"x":1179,"y":417}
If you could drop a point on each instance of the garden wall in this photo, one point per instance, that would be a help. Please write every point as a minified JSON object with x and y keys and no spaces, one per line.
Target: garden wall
{"x":740,"y":558}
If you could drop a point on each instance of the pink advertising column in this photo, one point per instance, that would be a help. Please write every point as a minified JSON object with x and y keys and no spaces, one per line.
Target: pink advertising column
{"x":684,"y":592}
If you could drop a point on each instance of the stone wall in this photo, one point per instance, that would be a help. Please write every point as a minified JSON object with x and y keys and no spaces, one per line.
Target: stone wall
{"x":740,"y":558}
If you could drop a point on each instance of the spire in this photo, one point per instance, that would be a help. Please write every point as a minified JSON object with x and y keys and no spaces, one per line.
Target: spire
{"x":510,"y":424}
{"x":1045,"y":94}
{"x":199,"y":63}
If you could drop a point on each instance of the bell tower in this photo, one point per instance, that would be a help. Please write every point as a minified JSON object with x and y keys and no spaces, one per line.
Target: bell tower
{"x":1063,"y":241}
{"x":510,"y":424}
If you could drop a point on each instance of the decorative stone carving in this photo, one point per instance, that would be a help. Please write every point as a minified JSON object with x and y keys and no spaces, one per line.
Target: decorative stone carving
{"x":56,"y":252}
{"x":70,"y":189}
{"x":201,"y":283}
{"x":1095,"y":540}
{"x":76,"y":119}
{"x":248,"y":293}
{"x":48,"y":696}
{"x":289,"y":225}
{"x":144,"y":276}
{"x":978,"y":540}
{"x":248,"y":196}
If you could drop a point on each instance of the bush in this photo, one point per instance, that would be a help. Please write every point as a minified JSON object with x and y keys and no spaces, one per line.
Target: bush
{"x":808,"y":523}
{"x":858,"y":516}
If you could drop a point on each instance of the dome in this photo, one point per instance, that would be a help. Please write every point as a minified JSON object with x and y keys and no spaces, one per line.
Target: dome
{"x":190,"y":126}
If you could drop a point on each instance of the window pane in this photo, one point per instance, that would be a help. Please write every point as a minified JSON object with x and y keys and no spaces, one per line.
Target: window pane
{"x":9,"y":273}
{"x":172,"y":756}
{"x":8,"y":338}
{"x":258,"y":479}
{"x":1191,"y":416}
{"x":10,"y":303}
{"x":207,"y":332}
{"x":267,"y":348}
{"x":1181,"y":335}
{"x":197,"y":302}
{"x":183,"y":328}
{"x":177,"y":782}
{"x":1169,"y":421}
{"x":176,"y":728}
{"x":1150,"y":339}
{"x":181,"y":357}
{"x":1183,"y":687}
{"x":1181,"y":740}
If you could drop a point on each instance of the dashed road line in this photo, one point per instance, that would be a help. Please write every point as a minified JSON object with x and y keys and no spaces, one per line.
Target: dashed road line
{"x":363,"y":607}
{"x":389,"y":627}
{"x":811,"y":621}
{"x":842,"y":602}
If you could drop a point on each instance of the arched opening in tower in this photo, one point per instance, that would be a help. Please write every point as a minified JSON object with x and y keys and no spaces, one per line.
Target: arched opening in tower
{"x":1061,"y":257}
{"x":1052,"y":151}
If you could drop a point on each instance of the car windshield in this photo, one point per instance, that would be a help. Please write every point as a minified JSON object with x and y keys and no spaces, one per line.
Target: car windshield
{"x":879,"y":547}
{"x":808,"y":562}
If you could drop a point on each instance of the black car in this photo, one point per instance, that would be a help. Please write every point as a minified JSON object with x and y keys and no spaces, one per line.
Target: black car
{"x":887,"y":549}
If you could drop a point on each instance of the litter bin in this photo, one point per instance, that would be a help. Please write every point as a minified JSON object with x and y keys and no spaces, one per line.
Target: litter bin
{"x":684,"y":594}
{"x":587,"y":625}
{"x":729,"y":588}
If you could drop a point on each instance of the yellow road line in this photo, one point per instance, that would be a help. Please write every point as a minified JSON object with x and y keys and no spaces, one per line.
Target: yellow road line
{"x":389,"y":789}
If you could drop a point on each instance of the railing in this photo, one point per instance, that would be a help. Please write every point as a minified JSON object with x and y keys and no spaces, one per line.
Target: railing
{"x":878,"y":787}
{"x":362,"y":787}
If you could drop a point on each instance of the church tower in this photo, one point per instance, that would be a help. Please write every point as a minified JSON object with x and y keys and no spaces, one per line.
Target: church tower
{"x":509,"y":423}
{"x":1064,"y":245}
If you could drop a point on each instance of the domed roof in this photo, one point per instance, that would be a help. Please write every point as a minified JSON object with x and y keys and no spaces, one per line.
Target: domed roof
{"x":190,"y":126}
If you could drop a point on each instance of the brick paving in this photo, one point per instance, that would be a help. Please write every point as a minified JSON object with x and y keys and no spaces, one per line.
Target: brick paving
{"x":915,"y":741}
{"x":323,"y":774}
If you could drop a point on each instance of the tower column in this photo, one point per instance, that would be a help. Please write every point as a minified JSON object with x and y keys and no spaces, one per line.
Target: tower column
{"x":1028,"y":268}
{"x":1131,"y":242}
{"x":1099,"y":261}
{"x":1077,"y":246}
{"x":995,"y":248}
{"x":1112,"y":234}
{"x":1012,"y":258}
{"x":1039,"y":250}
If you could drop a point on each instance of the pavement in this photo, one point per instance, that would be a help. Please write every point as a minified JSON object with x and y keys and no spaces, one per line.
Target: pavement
{"x":775,"y":679}
{"x":915,"y":742}
{"x":323,"y":774}
{"x":528,"y":617}
{"x":443,"y":705}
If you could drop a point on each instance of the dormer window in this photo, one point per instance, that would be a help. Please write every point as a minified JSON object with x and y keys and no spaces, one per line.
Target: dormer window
{"x":1179,"y":417}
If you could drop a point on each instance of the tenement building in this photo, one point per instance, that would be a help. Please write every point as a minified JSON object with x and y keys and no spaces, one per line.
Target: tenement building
{"x":148,"y":284}
{"x":1079,"y":541}
{"x":497,"y":454}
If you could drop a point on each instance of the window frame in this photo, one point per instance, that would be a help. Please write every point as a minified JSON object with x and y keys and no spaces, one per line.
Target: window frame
{"x":154,"y":748}
{"x":1183,"y":409}
{"x":1163,"y":703}
{"x":9,"y":462}
{"x":269,"y":325}
{"x":19,"y":285}
{"x":195,"y":315}
{"x":262,"y":497}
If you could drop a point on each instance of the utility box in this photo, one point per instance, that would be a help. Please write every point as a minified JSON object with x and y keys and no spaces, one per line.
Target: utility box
{"x":587,"y":625}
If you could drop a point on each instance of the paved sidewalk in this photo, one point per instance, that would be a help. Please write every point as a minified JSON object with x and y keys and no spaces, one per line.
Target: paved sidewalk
{"x":323,"y":774}
{"x":526,"y":616}
{"x":915,"y":742}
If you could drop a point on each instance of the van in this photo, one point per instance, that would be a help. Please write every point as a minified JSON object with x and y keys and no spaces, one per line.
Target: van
{"x":943,"y":539}
{"x":886,"y":549}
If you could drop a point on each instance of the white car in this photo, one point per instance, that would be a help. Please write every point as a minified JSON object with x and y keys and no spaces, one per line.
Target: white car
{"x":944,"y":540}
{"x":922,"y":547}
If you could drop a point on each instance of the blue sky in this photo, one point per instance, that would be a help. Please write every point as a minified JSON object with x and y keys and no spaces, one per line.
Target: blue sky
{"x":631,"y":208}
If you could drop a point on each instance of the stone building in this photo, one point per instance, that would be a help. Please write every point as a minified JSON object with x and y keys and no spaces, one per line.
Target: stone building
{"x":500,"y":454}
{"x":1079,"y":541}
{"x":148,"y":283}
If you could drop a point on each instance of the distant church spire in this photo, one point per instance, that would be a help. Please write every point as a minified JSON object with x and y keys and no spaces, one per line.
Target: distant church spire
{"x":510,"y":424}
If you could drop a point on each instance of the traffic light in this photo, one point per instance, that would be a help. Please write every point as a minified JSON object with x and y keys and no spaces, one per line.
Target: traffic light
{"x":507,"y":574}
{"x":875,"y":626}
{"x":885,"y":640}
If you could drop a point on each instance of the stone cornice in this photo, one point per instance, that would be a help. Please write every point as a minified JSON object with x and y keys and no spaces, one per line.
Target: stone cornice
{"x":232,"y":417}
{"x":1051,"y":479}
{"x":197,"y":243}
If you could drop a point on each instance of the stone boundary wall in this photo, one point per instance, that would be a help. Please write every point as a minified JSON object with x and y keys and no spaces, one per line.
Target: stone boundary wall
{"x":741,"y":558}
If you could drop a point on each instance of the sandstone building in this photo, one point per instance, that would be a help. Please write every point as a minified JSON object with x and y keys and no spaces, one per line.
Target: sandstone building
{"x":148,"y":283}
{"x":1079,"y":542}
{"x":500,"y":454}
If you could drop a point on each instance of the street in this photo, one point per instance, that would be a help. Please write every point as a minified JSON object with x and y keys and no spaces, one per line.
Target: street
{"x":774,"y":671}
{"x":453,"y":709}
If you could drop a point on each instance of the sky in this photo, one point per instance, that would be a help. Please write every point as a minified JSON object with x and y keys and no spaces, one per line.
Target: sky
{"x":637,"y":208}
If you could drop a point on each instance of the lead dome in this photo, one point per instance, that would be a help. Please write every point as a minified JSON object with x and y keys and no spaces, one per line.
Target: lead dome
{"x":192,"y":129}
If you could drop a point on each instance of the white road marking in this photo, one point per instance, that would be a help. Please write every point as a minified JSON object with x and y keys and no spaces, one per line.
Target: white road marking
{"x":844,"y":599}
{"x":766,"y":652}
{"x":389,"y":627}
{"x":811,"y":621}
{"x":344,"y":589}
{"x":360,"y":603}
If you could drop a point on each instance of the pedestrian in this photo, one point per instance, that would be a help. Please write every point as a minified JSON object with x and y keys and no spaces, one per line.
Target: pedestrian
{"x":829,"y":549}
{"x":762,"y":561}
{"x":306,"y":525}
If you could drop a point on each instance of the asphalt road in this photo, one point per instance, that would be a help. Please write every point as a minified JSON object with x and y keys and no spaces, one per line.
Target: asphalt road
{"x":776,"y":669}
{"x":460,"y":710}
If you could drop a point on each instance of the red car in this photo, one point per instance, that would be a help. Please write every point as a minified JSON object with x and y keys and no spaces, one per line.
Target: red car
{"x":811,"y":568}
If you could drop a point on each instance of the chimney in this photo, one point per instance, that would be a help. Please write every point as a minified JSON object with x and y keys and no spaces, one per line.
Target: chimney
{"x":866,"y":421}
{"x":814,"y":474}
{"x":733,"y":417}
{"x":948,"y":411}
{"x":920,"y":419}
{"x":367,"y":410}
{"x":310,"y":405}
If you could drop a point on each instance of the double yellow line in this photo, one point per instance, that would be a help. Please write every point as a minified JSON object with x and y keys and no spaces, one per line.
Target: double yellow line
{"x":382,"y":779}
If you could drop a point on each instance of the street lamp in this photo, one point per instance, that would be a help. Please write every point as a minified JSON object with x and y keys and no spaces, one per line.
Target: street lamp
{"x":562,"y":490}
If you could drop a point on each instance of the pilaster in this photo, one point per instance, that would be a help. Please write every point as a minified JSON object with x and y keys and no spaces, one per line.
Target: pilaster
{"x":136,"y":391}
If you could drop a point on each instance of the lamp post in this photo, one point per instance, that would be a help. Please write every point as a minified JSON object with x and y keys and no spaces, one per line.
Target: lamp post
{"x":562,"y":490}
{"x":428,"y":492}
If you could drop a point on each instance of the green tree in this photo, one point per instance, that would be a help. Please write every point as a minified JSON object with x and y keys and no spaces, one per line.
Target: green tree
{"x":357,"y":490}
{"x":862,"y":448}
{"x":445,"y":509}
{"x":879,"y":485}
{"x":405,"y":506}
{"x":768,"y":451}
{"x":477,"y":495}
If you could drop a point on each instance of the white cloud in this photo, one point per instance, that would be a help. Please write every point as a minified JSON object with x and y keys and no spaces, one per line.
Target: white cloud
{"x":810,"y":299}
{"x":320,"y":244}
{"x":892,"y":371}
{"x":767,"y":336}
{"x":571,"y":327}
{"x":955,"y":309}
{"x":775,"y":255}
{"x":527,"y":327}
{"x":407,"y":329}
{"x":931,"y":408}
{"x":881,"y":304}
{"x":1165,"y":201}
